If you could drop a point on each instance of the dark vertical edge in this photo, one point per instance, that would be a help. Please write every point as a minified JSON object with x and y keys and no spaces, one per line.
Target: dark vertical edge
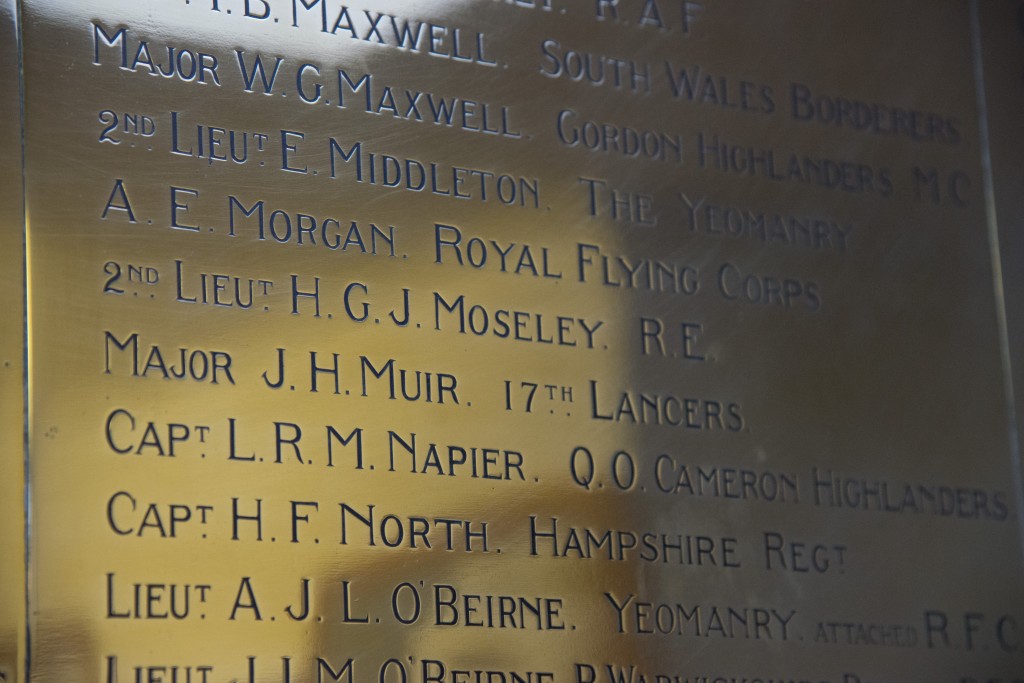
{"x":998,"y":42}
{"x":13,"y":516}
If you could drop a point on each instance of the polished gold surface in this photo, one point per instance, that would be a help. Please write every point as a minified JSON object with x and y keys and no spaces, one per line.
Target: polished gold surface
{"x":481,"y":342}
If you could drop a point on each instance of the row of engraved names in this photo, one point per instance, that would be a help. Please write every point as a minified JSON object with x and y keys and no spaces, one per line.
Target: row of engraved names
{"x":359,"y":603}
{"x":688,"y":84}
{"x":355,"y":160}
{"x":357,"y":300}
{"x":279,"y":221}
{"x":325,"y":668}
{"x":400,"y":668}
{"x":586,"y":467}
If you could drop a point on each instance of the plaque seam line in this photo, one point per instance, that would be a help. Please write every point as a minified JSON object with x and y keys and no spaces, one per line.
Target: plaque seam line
{"x":992,"y":228}
{"x":24,"y":675}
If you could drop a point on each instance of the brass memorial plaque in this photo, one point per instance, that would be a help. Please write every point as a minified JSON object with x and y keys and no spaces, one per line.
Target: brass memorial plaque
{"x":522,"y":341}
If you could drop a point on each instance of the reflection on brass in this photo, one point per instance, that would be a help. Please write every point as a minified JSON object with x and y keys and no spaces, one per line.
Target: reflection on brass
{"x":500,"y":342}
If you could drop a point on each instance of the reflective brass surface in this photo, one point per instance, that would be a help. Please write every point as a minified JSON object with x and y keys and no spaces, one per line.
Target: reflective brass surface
{"x":557,"y":342}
